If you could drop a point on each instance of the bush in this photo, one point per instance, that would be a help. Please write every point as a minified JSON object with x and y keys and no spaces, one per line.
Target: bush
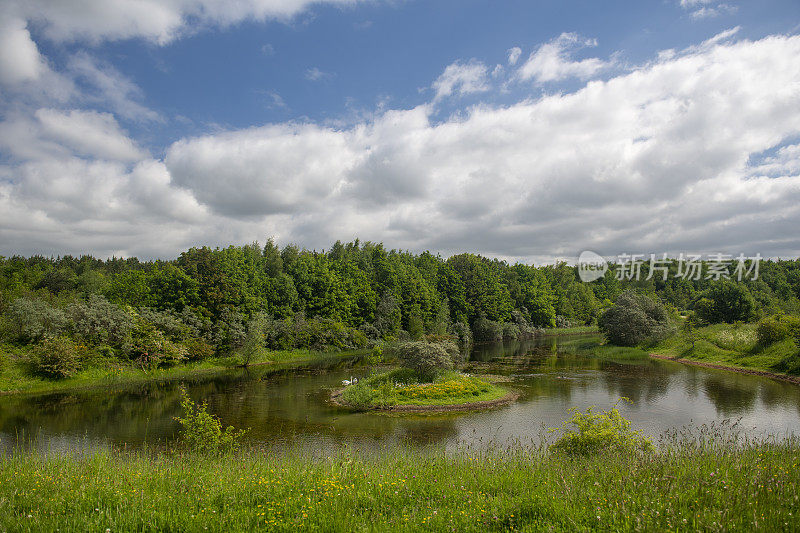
{"x":487,"y":330}
{"x":98,"y":321}
{"x":464,"y":334}
{"x":32,"y":319}
{"x":56,"y":358}
{"x":426,"y":359}
{"x":595,"y":433}
{"x":149,"y":348}
{"x":775,"y":328}
{"x":725,"y":301}
{"x":202,"y":432}
{"x":511,"y":331}
{"x":198,"y":350}
{"x":635,"y":318}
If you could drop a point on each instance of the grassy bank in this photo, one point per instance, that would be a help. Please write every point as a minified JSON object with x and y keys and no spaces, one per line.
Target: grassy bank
{"x":400,"y":387}
{"x":751,"y":488}
{"x":570,"y":331}
{"x":16,"y":378}
{"x":731,"y":345}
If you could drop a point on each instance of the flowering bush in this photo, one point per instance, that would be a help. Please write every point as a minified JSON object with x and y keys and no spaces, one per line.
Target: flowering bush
{"x":606,"y":431}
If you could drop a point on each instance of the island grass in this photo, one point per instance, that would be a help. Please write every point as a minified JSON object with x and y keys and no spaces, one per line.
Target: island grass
{"x":402,"y":387}
{"x":16,"y":377}
{"x":752,"y":487}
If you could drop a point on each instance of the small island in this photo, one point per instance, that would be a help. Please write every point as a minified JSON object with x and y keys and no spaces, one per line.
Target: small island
{"x":426,"y":382}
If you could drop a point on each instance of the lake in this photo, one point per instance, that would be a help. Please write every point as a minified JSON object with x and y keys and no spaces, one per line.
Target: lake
{"x":288,"y":411}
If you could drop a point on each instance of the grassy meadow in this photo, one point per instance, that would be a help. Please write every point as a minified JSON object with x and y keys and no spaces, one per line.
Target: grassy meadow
{"x":734,"y":345}
{"x":715,"y":486}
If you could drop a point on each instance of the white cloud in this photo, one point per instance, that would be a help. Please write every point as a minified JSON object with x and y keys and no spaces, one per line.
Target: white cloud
{"x":159,"y":21}
{"x":461,"y":78}
{"x":552,"y":62}
{"x":20,"y":60}
{"x":666,"y":157}
{"x":89,"y":133}
{"x":260,"y":171}
{"x":111,"y":88}
{"x":315,"y":74}
{"x":513,"y":55}
{"x":51,"y":133}
{"x":703,"y":9}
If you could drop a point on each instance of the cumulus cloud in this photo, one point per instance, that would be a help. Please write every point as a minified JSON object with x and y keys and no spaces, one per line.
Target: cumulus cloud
{"x":261,"y":171}
{"x":51,"y":133}
{"x":552,"y":61}
{"x":20,"y":60}
{"x":461,"y":78}
{"x":513,"y":55}
{"x":695,"y":150}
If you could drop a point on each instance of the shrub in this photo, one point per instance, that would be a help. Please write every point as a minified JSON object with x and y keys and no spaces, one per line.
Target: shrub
{"x":198,"y":350}
{"x":607,"y":431}
{"x":775,"y":328}
{"x":511,"y":331}
{"x":359,"y":396}
{"x":149,"y":348}
{"x":98,"y":321}
{"x":426,"y":359}
{"x":464,"y":334}
{"x":487,"y":330}
{"x":635,"y":318}
{"x":32,"y":319}
{"x":725,"y":301}
{"x":202,"y":432}
{"x":563,"y":322}
{"x":326,"y":334}
{"x":56,"y":358}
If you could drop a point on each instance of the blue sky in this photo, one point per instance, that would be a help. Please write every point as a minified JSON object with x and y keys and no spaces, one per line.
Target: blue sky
{"x":130,"y":130}
{"x":375,"y":54}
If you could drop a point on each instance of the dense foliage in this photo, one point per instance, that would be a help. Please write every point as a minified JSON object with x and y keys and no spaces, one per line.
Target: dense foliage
{"x":590,"y":433}
{"x":242,"y":299}
{"x":635,"y":318}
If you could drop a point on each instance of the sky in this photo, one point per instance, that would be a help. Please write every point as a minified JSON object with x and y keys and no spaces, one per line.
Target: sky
{"x":524,"y":130}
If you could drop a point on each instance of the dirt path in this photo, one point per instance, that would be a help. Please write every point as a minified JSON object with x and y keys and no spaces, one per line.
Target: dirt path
{"x":752,"y":372}
{"x":336,"y":398}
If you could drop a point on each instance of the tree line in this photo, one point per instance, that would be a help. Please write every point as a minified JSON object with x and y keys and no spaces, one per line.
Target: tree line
{"x":213,"y":300}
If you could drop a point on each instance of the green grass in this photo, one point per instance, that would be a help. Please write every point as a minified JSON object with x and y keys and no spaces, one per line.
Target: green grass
{"x":732,"y":345}
{"x":16,"y":378}
{"x":747,"y":488}
{"x":401,"y":387}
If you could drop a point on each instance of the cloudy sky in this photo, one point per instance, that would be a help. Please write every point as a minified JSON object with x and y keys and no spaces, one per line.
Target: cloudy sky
{"x":523,"y":130}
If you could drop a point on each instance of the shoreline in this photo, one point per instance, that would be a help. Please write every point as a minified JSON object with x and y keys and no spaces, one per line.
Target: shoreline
{"x":718,"y":366}
{"x":136,"y":377}
{"x":509,"y":398}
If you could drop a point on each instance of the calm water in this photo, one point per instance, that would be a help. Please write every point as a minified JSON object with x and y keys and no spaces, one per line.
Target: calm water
{"x":289,"y":411}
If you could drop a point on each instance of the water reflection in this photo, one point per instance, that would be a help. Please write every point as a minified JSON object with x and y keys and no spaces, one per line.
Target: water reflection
{"x":289,"y":410}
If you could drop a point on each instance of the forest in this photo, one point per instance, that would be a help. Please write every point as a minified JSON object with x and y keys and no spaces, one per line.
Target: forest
{"x":209,"y":302}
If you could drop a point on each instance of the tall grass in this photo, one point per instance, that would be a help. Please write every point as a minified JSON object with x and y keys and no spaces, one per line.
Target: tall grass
{"x":698,"y":479}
